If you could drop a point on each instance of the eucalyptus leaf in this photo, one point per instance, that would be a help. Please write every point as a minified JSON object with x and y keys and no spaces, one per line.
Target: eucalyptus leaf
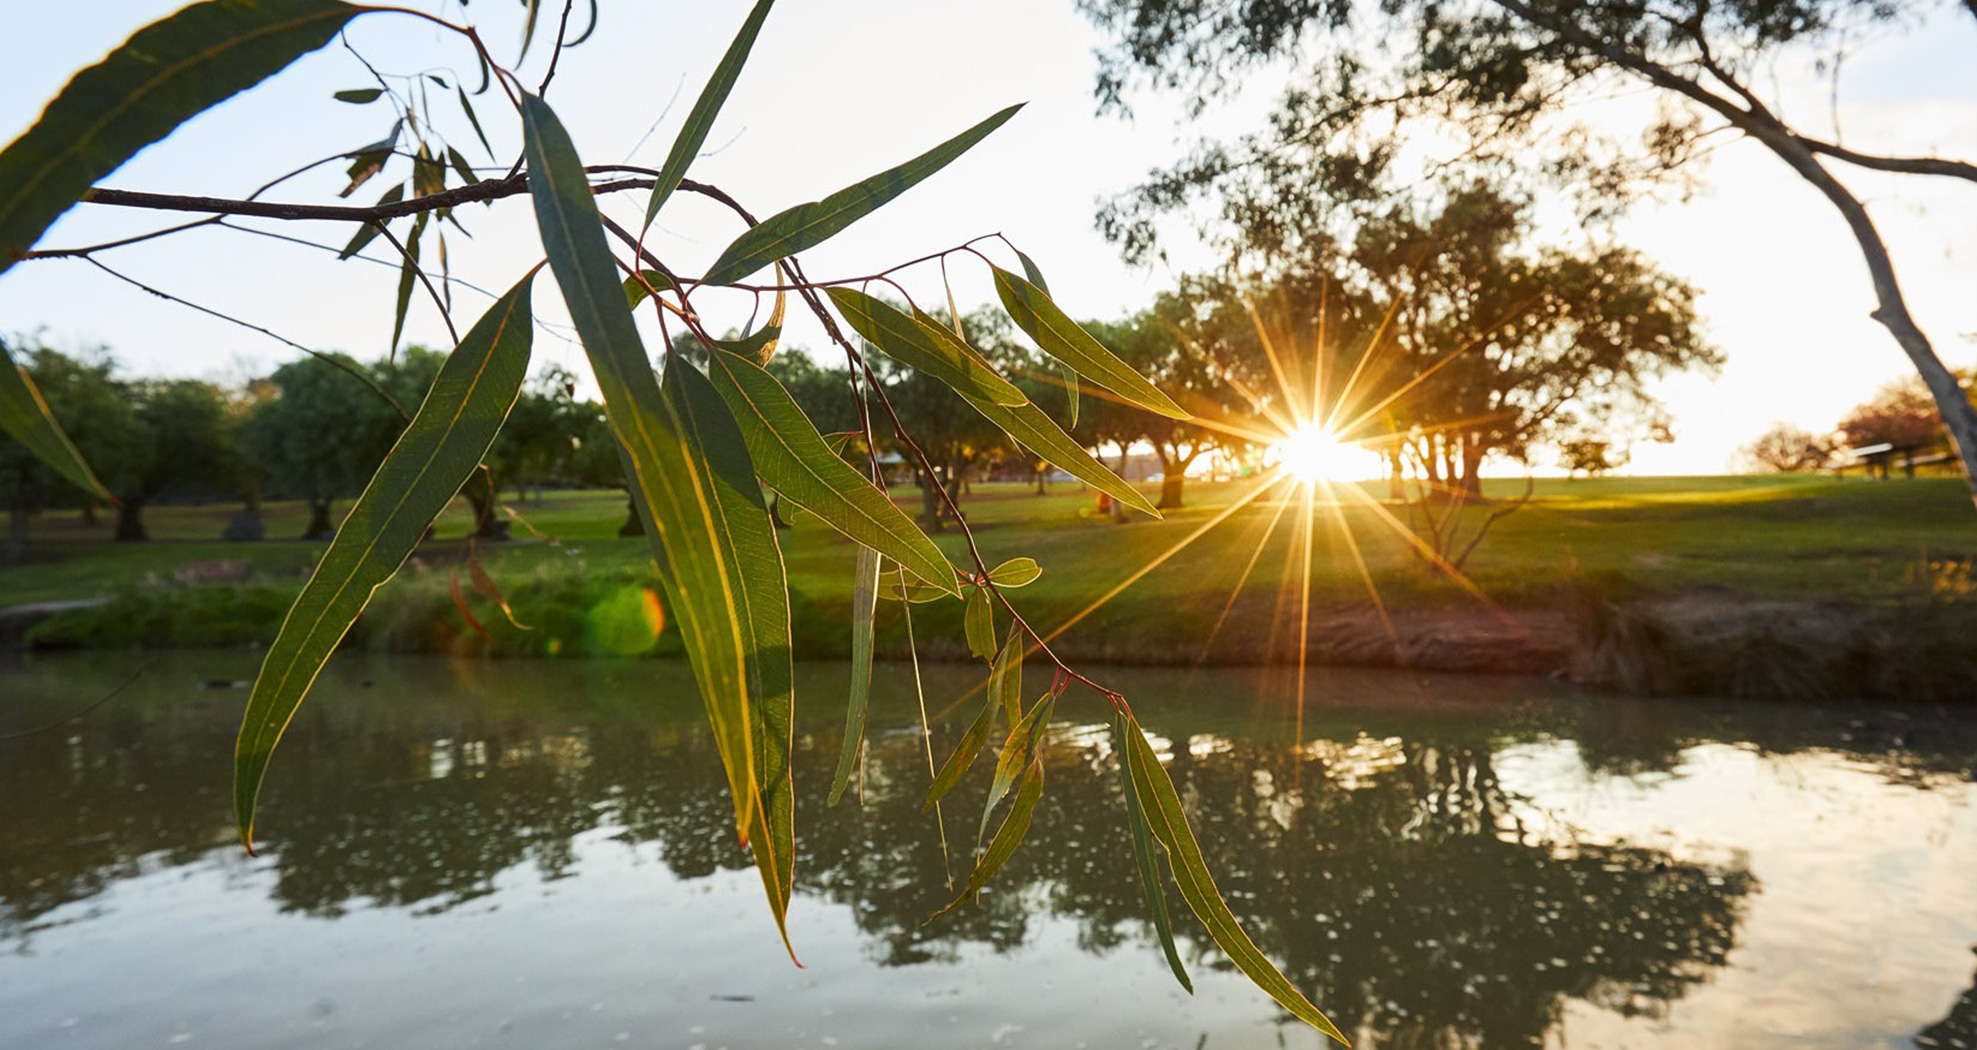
{"x":1008,"y":835}
{"x":1017,"y":749}
{"x":693,"y":134}
{"x":808,"y":225}
{"x":25,"y":415}
{"x":1151,"y":892}
{"x":792,"y":458}
{"x":710,"y":533}
{"x":864,"y":603}
{"x":1016,"y":572}
{"x":925,"y":346}
{"x":437,"y":453}
{"x":1162,"y":806}
{"x":965,"y":752}
{"x":359,"y":96}
{"x":1060,"y":337}
{"x":979,"y":623}
{"x":165,"y":74}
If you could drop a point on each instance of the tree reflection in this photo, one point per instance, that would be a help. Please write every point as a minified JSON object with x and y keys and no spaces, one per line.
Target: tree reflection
{"x":1389,"y":875}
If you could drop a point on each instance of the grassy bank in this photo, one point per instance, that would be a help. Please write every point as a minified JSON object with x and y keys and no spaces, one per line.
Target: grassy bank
{"x":1687,"y":559}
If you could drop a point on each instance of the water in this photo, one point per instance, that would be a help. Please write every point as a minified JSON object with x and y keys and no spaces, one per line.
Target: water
{"x":535,"y":854}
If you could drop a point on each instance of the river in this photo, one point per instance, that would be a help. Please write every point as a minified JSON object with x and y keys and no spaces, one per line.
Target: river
{"x":537,"y":854}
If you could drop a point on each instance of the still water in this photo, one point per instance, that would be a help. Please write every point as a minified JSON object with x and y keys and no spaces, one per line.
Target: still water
{"x":539,"y":855}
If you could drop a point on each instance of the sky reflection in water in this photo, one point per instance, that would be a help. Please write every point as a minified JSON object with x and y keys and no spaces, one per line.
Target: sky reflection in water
{"x":535,"y":854}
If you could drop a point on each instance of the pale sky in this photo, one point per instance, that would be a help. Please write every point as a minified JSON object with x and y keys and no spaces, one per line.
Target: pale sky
{"x":839,"y":90}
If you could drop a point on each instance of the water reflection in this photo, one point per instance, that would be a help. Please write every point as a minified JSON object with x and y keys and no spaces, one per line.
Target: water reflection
{"x":1383,"y":860}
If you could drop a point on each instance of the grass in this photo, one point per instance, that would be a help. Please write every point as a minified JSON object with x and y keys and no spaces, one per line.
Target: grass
{"x":1795,"y":537}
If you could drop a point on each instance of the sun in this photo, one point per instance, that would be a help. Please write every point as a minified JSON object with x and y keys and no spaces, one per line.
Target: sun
{"x":1311,"y":454}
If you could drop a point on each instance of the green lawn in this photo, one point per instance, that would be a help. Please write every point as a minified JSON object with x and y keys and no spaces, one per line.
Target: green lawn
{"x":1791,"y":537}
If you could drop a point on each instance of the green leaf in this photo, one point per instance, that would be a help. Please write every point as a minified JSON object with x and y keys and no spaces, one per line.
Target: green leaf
{"x":864,"y":603}
{"x":1162,"y":806}
{"x":408,"y":273}
{"x":792,"y":458}
{"x":1022,"y":743}
{"x":925,"y":346}
{"x":1006,"y":676}
{"x":165,"y":74}
{"x":472,"y":119}
{"x":965,"y":752}
{"x":358,"y":96}
{"x":25,"y":415}
{"x":1007,"y":837}
{"x":369,"y":231}
{"x":1033,"y":430}
{"x":1061,"y":338}
{"x":759,"y":346}
{"x":892,"y":590}
{"x":696,"y":491}
{"x":1149,"y":873}
{"x":693,"y":134}
{"x":1016,"y":572}
{"x":461,"y":167}
{"x":635,"y":288}
{"x":436,"y":454}
{"x":1070,"y":394}
{"x":808,"y":225}
{"x":979,"y":623}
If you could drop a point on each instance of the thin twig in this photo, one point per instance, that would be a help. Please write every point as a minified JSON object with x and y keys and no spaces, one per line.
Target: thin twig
{"x":77,"y":716}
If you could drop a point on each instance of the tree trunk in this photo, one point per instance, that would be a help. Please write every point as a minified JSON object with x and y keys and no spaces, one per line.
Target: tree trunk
{"x":1471,"y":485}
{"x":1396,"y":487}
{"x":18,"y":517}
{"x":319,"y":527}
{"x":488,"y":523}
{"x":1042,"y":471}
{"x":89,"y":512}
{"x":130,"y":521}
{"x":1170,"y":490}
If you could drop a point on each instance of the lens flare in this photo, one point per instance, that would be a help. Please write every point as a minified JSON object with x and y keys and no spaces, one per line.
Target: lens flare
{"x":1311,"y":454}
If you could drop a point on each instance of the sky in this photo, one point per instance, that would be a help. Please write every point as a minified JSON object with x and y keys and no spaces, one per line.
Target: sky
{"x":839,"y":90}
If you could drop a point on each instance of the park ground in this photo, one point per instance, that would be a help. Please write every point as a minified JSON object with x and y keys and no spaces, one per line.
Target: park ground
{"x":1774,"y":585}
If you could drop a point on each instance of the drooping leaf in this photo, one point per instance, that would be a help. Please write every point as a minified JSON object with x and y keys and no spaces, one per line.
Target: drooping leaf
{"x":1007,"y":837}
{"x":740,"y":521}
{"x":1022,"y":743}
{"x":808,"y":225}
{"x":485,"y":586}
{"x":408,"y":274}
{"x":1016,"y":572}
{"x":474,"y":120}
{"x":1006,"y":676}
{"x":864,"y":604}
{"x":926,"y":347}
{"x":447,"y":437}
{"x":25,"y":415}
{"x":1063,"y":339}
{"x":693,"y":134}
{"x":461,"y":167}
{"x":1070,"y":377}
{"x":165,"y":74}
{"x":696,"y":493}
{"x":1162,"y":807}
{"x":465,"y":610}
{"x":759,"y":346}
{"x":1036,"y":432}
{"x":1151,"y":892}
{"x":978,"y":623}
{"x":957,"y":765}
{"x":792,"y":458}
{"x":1030,"y":271}
{"x":359,"y":96}
{"x":369,"y":231}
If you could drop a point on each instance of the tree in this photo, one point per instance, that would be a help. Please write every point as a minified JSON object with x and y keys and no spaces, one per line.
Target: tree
{"x":1788,"y":449}
{"x":1901,"y":414}
{"x":697,"y":443}
{"x":1498,"y":74}
{"x":182,"y":440}
{"x":322,"y":435}
{"x":1590,"y":456}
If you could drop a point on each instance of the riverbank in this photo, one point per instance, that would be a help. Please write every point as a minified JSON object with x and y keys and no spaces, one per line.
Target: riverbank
{"x":1789,"y":588}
